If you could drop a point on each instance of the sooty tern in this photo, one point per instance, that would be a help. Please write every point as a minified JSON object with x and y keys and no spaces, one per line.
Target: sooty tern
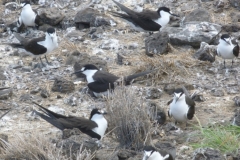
{"x":182,"y":107}
{"x":226,"y":49}
{"x":146,"y":20}
{"x":28,"y":17}
{"x":38,"y":46}
{"x":100,"y":82}
{"x":95,"y":126}
{"x":150,"y":153}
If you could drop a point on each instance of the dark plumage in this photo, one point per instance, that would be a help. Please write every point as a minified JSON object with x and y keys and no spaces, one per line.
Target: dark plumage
{"x":63,"y":122}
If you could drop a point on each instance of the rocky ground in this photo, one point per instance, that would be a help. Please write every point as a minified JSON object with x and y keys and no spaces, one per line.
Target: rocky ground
{"x":117,"y":48}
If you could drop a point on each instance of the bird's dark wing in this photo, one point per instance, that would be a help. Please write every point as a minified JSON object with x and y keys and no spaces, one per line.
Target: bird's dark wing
{"x":102,"y":81}
{"x":137,"y":18}
{"x":33,"y":46}
{"x":236,"y":50}
{"x":169,"y":102}
{"x":148,"y":14}
{"x":38,"y":21}
{"x":191,"y":110}
{"x":64,"y":122}
{"x":78,"y":122}
{"x":129,"y":78}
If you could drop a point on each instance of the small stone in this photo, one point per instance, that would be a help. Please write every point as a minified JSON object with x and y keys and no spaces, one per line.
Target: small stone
{"x":72,"y":101}
{"x":26,"y":69}
{"x":125,"y":154}
{"x":63,"y":86}
{"x":206,"y":52}
{"x":152,"y":93}
{"x":35,"y":91}
{"x":157,"y":43}
{"x":44,"y":93}
{"x":5,"y":93}
{"x":200,"y":14}
{"x":217,"y":92}
{"x":207,"y":153}
{"x":237,"y":101}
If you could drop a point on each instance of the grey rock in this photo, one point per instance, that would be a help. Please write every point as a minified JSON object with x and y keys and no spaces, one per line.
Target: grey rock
{"x":156,"y":113}
{"x":12,"y":6}
{"x":70,"y":132}
{"x":231,"y":27}
{"x":233,"y":90}
{"x":170,"y":127}
{"x":35,"y":90}
{"x":235,"y":3}
{"x":3,"y":138}
{"x":72,"y":101}
{"x":207,"y":153}
{"x":236,"y":118}
{"x":237,"y":101}
{"x":198,"y":98}
{"x":52,"y":16}
{"x":170,"y":88}
{"x":103,"y":154}
{"x":90,"y":18}
{"x":166,"y":146}
{"x":5,"y":93}
{"x":157,"y":43}
{"x":44,"y":93}
{"x":152,"y":93}
{"x":2,"y":76}
{"x":26,"y":69}
{"x":207,"y":0}
{"x":217,"y":92}
{"x":125,"y":154}
{"x":206,"y":52}
{"x":193,"y":33}
{"x":70,"y":147}
{"x":200,"y":14}
{"x":63,"y":86}
{"x":235,"y":17}
{"x":25,"y":97}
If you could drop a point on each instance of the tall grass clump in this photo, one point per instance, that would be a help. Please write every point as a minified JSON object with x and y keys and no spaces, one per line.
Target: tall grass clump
{"x":128,"y":118}
{"x":37,"y":147}
{"x":225,"y":138}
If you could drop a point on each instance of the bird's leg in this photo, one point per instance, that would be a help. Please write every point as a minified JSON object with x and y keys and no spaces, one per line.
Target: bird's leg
{"x":224,"y":64}
{"x":46,"y":59}
{"x":186,"y":125}
{"x":176,"y":122}
{"x":41,"y":61}
{"x":150,"y":33}
{"x":232,"y":64}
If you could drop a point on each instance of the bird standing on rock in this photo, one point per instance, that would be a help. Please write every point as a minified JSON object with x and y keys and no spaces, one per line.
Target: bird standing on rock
{"x":146,"y":20}
{"x":226,"y":49}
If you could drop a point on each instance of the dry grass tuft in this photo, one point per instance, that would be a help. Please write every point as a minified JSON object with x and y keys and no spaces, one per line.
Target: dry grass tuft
{"x":128,"y":118}
{"x":38,"y":147}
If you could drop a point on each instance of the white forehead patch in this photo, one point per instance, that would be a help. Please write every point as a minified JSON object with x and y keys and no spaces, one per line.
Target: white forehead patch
{"x":83,"y":69}
{"x":227,"y":39}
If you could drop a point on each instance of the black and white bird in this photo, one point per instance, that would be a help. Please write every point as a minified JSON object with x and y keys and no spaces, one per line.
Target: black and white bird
{"x":95,"y":126}
{"x":37,"y":47}
{"x":150,"y":153}
{"x":182,"y":107}
{"x":226,"y":49}
{"x":28,"y":17}
{"x":146,"y":20}
{"x":101,"y":82}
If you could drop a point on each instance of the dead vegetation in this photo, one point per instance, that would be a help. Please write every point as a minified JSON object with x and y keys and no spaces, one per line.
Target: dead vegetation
{"x":38,"y":147}
{"x":128,"y":118}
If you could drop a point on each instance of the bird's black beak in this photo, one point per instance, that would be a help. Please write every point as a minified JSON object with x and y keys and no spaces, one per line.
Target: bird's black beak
{"x":174,"y":15}
{"x":177,"y":99}
{"x":76,"y":72}
{"x":227,"y":41}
